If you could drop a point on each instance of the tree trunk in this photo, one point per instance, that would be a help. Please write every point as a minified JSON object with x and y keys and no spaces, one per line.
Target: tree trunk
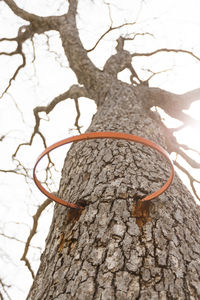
{"x":116,"y":249}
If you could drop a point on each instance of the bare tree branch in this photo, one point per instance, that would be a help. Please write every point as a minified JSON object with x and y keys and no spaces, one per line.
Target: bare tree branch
{"x":167,"y":50}
{"x":24,"y":33}
{"x":38,"y":25}
{"x":174,"y":146}
{"x":15,"y":74}
{"x":109,"y":30}
{"x":78,"y":115}
{"x":15,"y":171}
{"x":33,"y":46}
{"x":2,"y":137}
{"x":186,"y":147}
{"x":4,"y":287}
{"x":20,"y":12}
{"x":17,"y":107}
{"x":172,"y":104}
{"x":33,"y":231}
{"x":154,"y":73}
{"x":7,"y":39}
{"x":190,"y":97}
{"x":17,"y":240}
{"x":74,"y":91}
{"x":20,"y":166}
{"x":58,"y":57}
{"x":191,"y":179}
{"x":128,"y":38}
{"x":194,"y":164}
{"x":28,"y":16}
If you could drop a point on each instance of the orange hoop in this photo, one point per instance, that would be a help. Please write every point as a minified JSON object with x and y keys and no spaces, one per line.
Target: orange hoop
{"x":101,"y":135}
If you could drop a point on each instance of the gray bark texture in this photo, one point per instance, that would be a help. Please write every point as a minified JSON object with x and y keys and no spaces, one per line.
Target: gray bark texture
{"x":115,"y":249}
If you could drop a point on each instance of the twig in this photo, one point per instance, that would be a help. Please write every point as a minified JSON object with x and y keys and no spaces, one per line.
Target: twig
{"x":191,"y":179}
{"x":24,"y":33}
{"x":33,"y":46}
{"x":13,"y":171}
{"x":4,"y":286}
{"x":17,"y":107}
{"x":111,"y":28}
{"x":74,"y":91}
{"x":188,"y":159}
{"x":136,"y":34}
{"x":174,"y":146}
{"x":33,"y":231}
{"x":15,"y":73}
{"x":155,"y":73}
{"x":17,"y":240}
{"x":2,"y":137}
{"x":166,"y":50}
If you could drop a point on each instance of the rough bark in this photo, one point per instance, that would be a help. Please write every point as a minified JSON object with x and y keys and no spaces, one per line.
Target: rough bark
{"x":115,"y":249}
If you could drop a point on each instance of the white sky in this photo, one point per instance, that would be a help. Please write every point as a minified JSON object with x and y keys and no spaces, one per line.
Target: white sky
{"x":173,"y":23}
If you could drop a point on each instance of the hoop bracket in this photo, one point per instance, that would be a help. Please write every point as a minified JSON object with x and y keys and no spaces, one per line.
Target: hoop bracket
{"x":101,"y":135}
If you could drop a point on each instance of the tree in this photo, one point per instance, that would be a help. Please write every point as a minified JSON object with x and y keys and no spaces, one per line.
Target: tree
{"x":116,"y":247}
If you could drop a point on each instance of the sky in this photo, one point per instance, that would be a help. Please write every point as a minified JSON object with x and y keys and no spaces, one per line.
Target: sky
{"x":172,"y":23}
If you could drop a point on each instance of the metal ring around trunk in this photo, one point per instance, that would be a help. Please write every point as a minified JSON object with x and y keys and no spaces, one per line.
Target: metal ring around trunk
{"x":101,"y":135}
